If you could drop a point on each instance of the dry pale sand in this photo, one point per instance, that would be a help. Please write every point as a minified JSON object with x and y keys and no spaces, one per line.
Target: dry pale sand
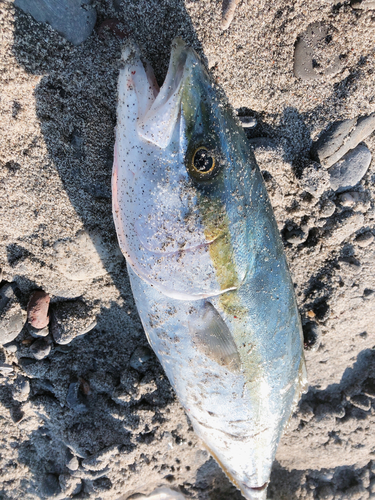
{"x":91,"y":426}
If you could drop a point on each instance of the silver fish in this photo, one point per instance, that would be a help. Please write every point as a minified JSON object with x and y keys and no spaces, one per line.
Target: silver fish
{"x":206,"y":263}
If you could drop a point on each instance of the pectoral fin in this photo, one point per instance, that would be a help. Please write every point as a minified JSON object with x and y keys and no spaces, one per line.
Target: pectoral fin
{"x":213,"y":338}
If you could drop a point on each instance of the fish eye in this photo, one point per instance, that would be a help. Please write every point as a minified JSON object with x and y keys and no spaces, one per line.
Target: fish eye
{"x":203,"y":161}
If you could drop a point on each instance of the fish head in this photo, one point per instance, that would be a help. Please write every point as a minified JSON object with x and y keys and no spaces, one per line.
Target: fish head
{"x":179,"y":178}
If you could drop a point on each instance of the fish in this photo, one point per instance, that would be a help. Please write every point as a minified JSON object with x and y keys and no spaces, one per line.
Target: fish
{"x":206,"y":262}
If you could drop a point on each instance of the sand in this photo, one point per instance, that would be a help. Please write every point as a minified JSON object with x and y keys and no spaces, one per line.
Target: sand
{"x":92,"y":426}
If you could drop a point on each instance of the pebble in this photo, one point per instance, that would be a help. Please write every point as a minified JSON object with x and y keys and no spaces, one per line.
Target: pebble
{"x":11,"y":348}
{"x":360,"y":401}
{"x":34,"y":332}
{"x":311,"y":49}
{"x":74,"y":398}
{"x":12,"y":317}
{"x":70,"y":486}
{"x":72,"y":463}
{"x":315,"y":180}
{"x":349,"y":199}
{"x":331,"y":140}
{"x":311,"y":336}
{"x":74,"y":19}
{"x":5,"y":369}
{"x":327,"y":209}
{"x":41,"y":348}
{"x":363,"y":4}
{"x":86,"y":257}
{"x":37,"y":309}
{"x":140,"y":358}
{"x":248,"y":121}
{"x":70,"y":320}
{"x":350,"y":169}
{"x":363,"y":240}
{"x":341,"y":137}
{"x":21,"y":389}
{"x":347,"y":227}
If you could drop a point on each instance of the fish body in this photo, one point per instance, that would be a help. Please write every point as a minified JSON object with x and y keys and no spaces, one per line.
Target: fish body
{"x":206,"y":263}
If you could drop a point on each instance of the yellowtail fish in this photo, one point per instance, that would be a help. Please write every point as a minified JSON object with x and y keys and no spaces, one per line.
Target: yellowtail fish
{"x":206,"y":263}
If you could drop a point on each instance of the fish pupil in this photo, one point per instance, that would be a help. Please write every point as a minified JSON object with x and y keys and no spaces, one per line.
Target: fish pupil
{"x":203,"y":162}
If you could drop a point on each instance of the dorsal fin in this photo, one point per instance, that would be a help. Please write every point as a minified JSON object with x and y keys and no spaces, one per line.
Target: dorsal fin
{"x":213,"y":338}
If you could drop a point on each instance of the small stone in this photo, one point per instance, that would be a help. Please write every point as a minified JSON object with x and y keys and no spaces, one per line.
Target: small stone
{"x":360,"y":401}
{"x":41,"y":348}
{"x":311,"y":336}
{"x":36,"y":333}
{"x":72,"y":463}
{"x":87,"y":256}
{"x":314,"y":53}
{"x":296,"y":236}
{"x":341,"y":138}
{"x":74,"y":398}
{"x":328,"y":208}
{"x":37,"y":309}
{"x":346,"y":228}
{"x":331,"y":140}
{"x":349,"y":199}
{"x":363,"y":240}
{"x":248,"y":121}
{"x":11,"y":348}
{"x":350,"y":169}
{"x":363,"y":4}
{"x":12,"y":317}
{"x":74,"y":19}
{"x":70,"y":320}
{"x":140,"y":358}
{"x":5,"y":369}
{"x":21,"y":389}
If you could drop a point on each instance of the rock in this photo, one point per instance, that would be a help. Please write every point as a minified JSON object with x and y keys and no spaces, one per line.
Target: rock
{"x":315,"y":180}
{"x":360,"y":401}
{"x":248,"y":121}
{"x":347,"y":227}
{"x":327,"y":209}
{"x":11,"y":347}
{"x":12,"y":317}
{"x":140,"y":359}
{"x":21,"y":389}
{"x":40,"y":348}
{"x":348,"y":171}
{"x":74,"y":19}
{"x":74,"y":399}
{"x":363,"y":4}
{"x":36,"y":333}
{"x":86,"y":257}
{"x":340,"y":138}
{"x":331,"y":140}
{"x":5,"y":369}
{"x":69,"y":320}
{"x":37,"y":309}
{"x":72,"y":463}
{"x":311,"y":336}
{"x":349,"y":199}
{"x":314,"y":54}
{"x":363,"y":240}
{"x":162,"y":494}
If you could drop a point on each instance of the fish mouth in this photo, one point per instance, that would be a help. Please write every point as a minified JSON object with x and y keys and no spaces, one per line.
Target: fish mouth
{"x":158,"y":122}
{"x":254,"y":492}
